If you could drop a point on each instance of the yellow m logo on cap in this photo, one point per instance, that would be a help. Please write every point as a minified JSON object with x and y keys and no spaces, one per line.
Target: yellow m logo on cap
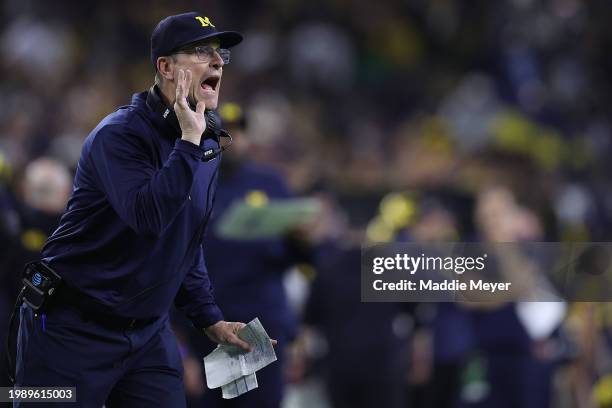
{"x":204,"y":21}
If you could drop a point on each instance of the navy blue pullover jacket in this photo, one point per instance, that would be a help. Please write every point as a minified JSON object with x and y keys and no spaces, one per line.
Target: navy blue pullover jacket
{"x":131,"y":237}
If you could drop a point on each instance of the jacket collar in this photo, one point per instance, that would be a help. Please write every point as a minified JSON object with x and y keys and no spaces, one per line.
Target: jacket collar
{"x":160,"y":113}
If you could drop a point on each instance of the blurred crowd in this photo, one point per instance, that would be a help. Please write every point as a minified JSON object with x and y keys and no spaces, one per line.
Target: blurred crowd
{"x":414,"y":120}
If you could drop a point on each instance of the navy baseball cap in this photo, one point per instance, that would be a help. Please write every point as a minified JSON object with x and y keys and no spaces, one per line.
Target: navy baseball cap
{"x":173,"y":32}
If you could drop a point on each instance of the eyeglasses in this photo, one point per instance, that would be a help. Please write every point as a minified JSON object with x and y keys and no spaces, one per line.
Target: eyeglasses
{"x":206,"y":53}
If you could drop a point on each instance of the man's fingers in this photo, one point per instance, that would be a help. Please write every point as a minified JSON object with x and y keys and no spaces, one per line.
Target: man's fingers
{"x":179,"y":85}
{"x":188,"y":77}
{"x":200,"y":107}
{"x":274,"y":342}
{"x":182,"y":87}
{"x":237,"y":341}
{"x":237,"y":326}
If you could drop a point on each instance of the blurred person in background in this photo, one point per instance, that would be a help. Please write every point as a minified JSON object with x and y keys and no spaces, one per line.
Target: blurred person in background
{"x":511,"y":365}
{"x":443,"y":337}
{"x":130,"y":241}
{"x":365,"y":353}
{"x":247,"y":274}
{"x":44,"y":189}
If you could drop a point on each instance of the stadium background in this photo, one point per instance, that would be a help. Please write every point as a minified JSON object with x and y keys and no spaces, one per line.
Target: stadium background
{"x":454,"y":111}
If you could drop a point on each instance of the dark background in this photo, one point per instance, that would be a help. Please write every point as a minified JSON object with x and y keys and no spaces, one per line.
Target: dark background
{"x":488,"y":119}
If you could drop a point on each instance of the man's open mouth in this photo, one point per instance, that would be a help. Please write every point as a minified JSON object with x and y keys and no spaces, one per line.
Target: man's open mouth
{"x":210,"y":83}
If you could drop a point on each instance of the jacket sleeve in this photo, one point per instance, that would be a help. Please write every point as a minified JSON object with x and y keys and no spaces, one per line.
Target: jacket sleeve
{"x":145,"y":197}
{"x":195,"y":297}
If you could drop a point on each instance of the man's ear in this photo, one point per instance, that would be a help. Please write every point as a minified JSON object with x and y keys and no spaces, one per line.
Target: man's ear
{"x":165,"y":67}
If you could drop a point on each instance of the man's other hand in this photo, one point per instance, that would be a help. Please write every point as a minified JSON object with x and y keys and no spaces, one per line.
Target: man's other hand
{"x":227,"y":333}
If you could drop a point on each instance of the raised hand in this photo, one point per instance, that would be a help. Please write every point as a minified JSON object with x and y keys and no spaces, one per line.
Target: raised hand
{"x":193,"y":124}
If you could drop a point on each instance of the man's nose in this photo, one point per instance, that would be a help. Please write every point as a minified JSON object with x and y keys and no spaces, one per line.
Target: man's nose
{"x":217,"y":61}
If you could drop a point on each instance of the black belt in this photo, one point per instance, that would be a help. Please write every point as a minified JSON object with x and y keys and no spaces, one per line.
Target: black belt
{"x":92,"y":311}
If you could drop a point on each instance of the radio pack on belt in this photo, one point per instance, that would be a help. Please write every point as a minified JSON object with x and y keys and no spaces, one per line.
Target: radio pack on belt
{"x":39,"y":284}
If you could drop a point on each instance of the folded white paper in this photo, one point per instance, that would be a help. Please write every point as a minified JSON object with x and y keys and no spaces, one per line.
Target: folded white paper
{"x":239,"y":386}
{"x":232,"y":368}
